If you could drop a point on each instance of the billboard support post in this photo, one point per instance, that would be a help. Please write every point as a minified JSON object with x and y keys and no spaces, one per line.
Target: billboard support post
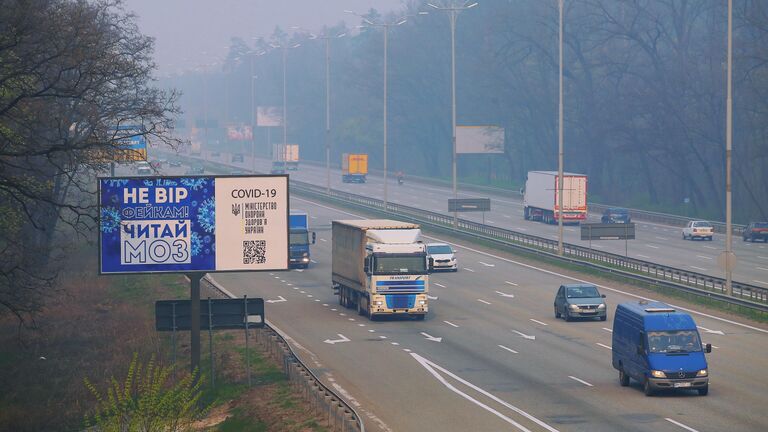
{"x":194,"y":296}
{"x":247,"y":354}
{"x":210,"y":343}
{"x":173,"y":340}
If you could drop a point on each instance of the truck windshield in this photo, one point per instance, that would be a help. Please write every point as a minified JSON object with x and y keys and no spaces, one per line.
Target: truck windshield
{"x":674,"y":341}
{"x":442,"y":249}
{"x":299,"y":238}
{"x":406,"y":264}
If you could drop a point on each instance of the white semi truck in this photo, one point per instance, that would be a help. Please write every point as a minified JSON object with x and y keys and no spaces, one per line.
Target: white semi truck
{"x":540,"y":198}
{"x":380,"y":267}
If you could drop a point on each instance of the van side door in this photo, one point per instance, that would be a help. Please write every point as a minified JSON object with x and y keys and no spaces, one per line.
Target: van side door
{"x":639,"y":363}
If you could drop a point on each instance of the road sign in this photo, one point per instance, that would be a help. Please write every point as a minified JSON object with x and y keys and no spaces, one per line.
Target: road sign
{"x":469,"y":204}
{"x":599,"y":231}
{"x":193,"y":224}
{"x":225,"y":314}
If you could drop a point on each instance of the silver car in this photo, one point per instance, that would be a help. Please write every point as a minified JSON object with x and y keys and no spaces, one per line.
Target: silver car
{"x":580,"y":301}
{"x":441,"y":257}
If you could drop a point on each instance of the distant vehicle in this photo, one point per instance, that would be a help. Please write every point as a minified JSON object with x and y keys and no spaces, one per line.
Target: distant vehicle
{"x":756,"y":230}
{"x":197,"y":169}
{"x":580,"y":301}
{"x":540,"y":198}
{"x":236,"y":172}
{"x":195,"y":149}
{"x":659,"y":347}
{"x":174,"y":163}
{"x":616,"y":215}
{"x":288,"y":154}
{"x":215,"y":154}
{"x":441,"y":257}
{"x":298,"y":233}
{"x":698,"y":229}
{"x":144,"y":170}
{"x":354,"y":167}
{"x":379,"y":267}
{"x":237,"y":157}
{"x":278,"y":167}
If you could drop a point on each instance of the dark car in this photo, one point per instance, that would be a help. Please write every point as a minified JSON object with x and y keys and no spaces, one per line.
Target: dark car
{"x":580,"y":301}
{"x":756,"y":231}
{"x":615,"y":215}
{"x":278,"y":168}
{"x":237,"y":157}
{"x":198,"y":169}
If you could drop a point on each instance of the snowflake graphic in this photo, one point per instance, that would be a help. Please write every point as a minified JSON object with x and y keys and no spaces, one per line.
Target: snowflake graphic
{"x":206,"y":215}
{"x":110,"y":220}
{"x":116,"y":182}
{"x":196,"y":244}
{"x":194,"y":183}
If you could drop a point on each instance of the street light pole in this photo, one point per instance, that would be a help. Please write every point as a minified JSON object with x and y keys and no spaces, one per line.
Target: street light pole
{"x":285,"y":107}
{"x":560,"y":173}
{"x":386,"y":33}
{"x":729,"y":258}
{"x":327,"y":115}
{"x":253,"y":115}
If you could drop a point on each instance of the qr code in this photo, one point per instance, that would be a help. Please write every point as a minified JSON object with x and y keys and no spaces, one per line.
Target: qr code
{"x":254,"y":251}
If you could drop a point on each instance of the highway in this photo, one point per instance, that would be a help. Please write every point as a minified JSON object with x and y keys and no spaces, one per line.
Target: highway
{"x":491,"y":356}
{"x":655,"y":242}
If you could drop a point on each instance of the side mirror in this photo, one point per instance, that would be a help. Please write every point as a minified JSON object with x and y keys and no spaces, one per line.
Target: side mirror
{"x":640,"y":350}
{"x":708,"y":348}
{"x":366,"y":268}
{"x":314,"y":237}
{"x":453,"y":250}
{"x":603,"y":295}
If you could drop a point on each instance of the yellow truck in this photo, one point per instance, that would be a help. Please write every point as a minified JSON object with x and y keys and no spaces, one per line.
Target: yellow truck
{"x":354,"y":167}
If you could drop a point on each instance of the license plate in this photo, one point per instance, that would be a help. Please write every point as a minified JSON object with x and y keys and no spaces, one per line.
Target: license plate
{"x":681,"y":384}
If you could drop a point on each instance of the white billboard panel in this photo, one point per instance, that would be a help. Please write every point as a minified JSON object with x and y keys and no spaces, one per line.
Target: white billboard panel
{"x":479,"y":139}
{"x":269,"y":116}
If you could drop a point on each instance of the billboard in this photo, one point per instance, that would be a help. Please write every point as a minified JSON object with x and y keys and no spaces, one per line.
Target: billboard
{"x":479,"y":139}
{"x":193,"y":224}
{"x":269,"y":116}
{"x":239,"y":132}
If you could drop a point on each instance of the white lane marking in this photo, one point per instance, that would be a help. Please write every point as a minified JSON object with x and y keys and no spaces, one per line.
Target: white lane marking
{"x":521,"y":229}
{"x":289,"y":284}
{"x":394,"y":343}
{"x":277,"y":277}
{"x":507,"y":216}
{"x":469,"y":269}
{"x":652,"y":246}
{"x":450,"y":323}
{"x":406,"y":350}
{"x":677,"y":423}
{"x":505,"y":294}
{"x":603,"y":345}
{"x":333,"y":310}
{"x":342,"y":314}
{"x":431,"y":366}
{"x":279,"y":299}
{"x":310,"y":295}
{"x":510,"y":283}
{"x":598,"y":246}
{"x":508,"y":349}
{"x":317,"y":300}
{"x":382,"y":337}
{"x":325,"y":304}
{"x":361,"y":325}
{"x":281,"y":280}
{"x":299,"y":270}
{"x":303,"y":292}
{"x":538,"y":322}
{"x":295,"y":288}
{"x":440,"y":285}
{"x":489,"y":221}
{"x":759,"y":281}
{"x":431,"y":298}
{"x":717,"y":332}
{"x":762,"y":268}
{"x":323,"y":240}
{"x":483,"y":301}
{"x":560,"y":275}
{"x":351,"y":319}
{"x":335,"y":341}
{"x":371,"y":331}
{"x":662,"y":238}
{"x":710,"y":247}
{"x":643,"y":256}
{"x":580,"y":380}
{"x":486,"y":264}
{"x":607,"y":329}
{"x":698,"y":268}
{"x":703,"y":257}
{"x":525,"y":336}
{"x":430,"y":337}
{"x":313,"y":261}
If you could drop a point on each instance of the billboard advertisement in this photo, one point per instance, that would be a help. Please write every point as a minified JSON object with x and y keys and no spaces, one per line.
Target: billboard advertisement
{"x":479,"y":139}
{"x":239,"y":132}
{"x":269,"y":116}
{"x":193,"y":224}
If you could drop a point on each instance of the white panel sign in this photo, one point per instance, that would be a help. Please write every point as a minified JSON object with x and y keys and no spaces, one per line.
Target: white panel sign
{"x":479,"y":139}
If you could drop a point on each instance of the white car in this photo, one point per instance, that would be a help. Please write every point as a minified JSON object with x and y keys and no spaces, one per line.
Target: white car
{"x":441,"y":257}
{"x":698,"y":229}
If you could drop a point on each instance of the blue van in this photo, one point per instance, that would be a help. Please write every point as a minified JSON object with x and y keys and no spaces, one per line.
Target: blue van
{"x":659,"y":347}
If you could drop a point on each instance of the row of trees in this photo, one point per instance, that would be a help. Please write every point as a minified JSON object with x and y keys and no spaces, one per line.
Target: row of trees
{"x":72,"y":72}
{"x":644,"y":95}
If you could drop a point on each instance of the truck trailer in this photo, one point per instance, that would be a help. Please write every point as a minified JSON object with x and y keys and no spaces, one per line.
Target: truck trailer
{"x":354,"y":167}
{"x":299,"y":239}
{"x":288,"y":154}
{"x":540,"y":198}
{"x":380,"y":267}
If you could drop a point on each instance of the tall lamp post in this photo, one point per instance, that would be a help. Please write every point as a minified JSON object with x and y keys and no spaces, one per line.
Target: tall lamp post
{"x":730,"y":259}
{"x":285,"y":47}
{"x":453,"y":10}
{"x":560,"y":116}
{"x":253,"y":109}
{"x":385,"y":27}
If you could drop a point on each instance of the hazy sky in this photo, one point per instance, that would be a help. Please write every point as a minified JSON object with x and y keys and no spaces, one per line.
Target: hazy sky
{"x":185,"y":29}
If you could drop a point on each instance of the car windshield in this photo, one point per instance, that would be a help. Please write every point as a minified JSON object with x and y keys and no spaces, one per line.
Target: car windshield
{"x":761,"y":224}
{"x":442,"y":249}
{"x":410,"y":264}
{"x":582,"y":292}
{"x":300,"y":238}
{"x":618,"y":212}
{"x":702,"y":225}
{"x":678,"y":341}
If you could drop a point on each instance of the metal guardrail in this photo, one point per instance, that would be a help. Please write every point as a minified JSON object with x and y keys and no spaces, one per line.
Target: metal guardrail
{"x":746,"y":295}
{"x":750,"y":296}
{"x":340,"y":416}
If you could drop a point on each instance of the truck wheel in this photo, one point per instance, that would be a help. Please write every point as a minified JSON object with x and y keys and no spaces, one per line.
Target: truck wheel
{"x":647,"y":389}
{"x":603,"y":318}
{"x":568,"y":315}
{"x":557,"y":313}
{"x":704,"y":390}
{"x":623,"y":378}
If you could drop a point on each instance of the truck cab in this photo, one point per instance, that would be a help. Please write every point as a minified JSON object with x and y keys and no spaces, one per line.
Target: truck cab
{"x":299,"y":239}
{"x":659,"y":347}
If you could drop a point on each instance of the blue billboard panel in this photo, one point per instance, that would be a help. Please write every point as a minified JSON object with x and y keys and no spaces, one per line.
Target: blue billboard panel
{"x":169,"y":224}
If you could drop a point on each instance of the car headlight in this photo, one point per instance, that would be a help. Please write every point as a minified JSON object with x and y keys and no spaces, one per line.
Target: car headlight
{"x":573,"y":307}
{"x":422,"y":302}
{"x":702,"y":373}
{"x":379,"y":302}
{"x":601,"y":306}
{"x":658,"y":374}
